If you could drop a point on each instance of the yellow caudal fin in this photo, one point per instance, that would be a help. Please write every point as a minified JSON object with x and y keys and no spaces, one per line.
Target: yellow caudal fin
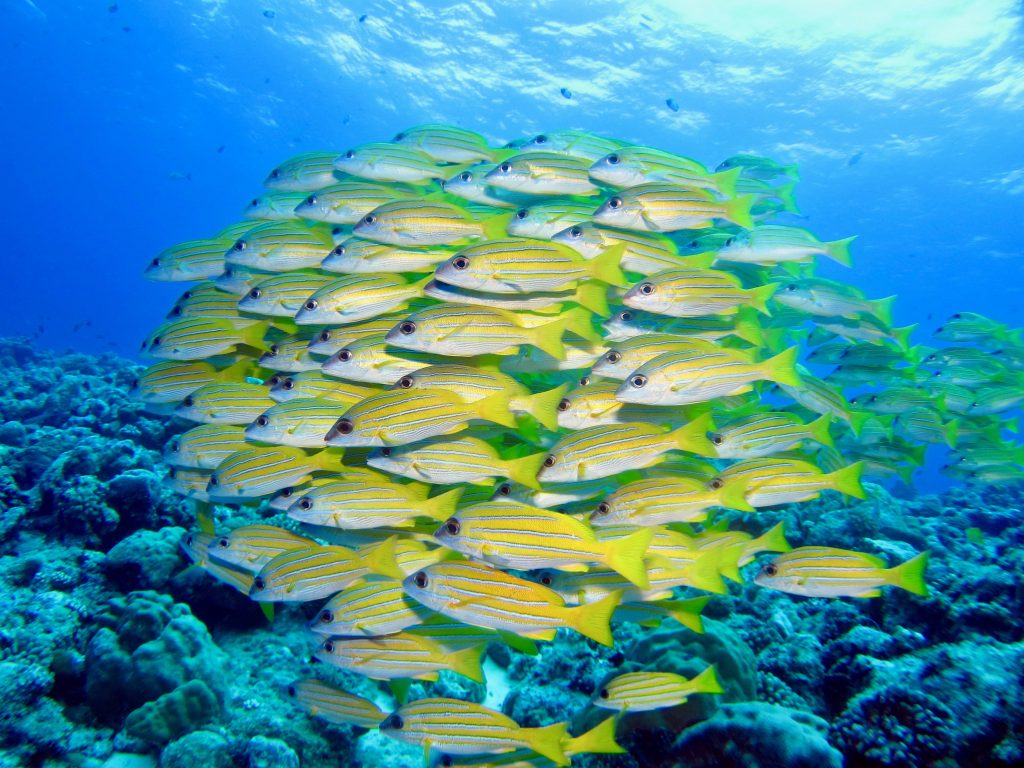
{"x":910,"y":575}
{"x":580,"y":322}
{"x":605,"y":267}
{"x":543,"y":406}
{"x":686,"y":612}
{"x":747,"y":326}
{"x":252,"y":336}
{"x":268,"y":611}
{"x":729,"y":565}
{"x":442,"y":506}
{"x":758,"y":297}
{"x":782,"y":368}
{"x":496,"y":227}
{"x":882,"y":309}
{"x":792,"y":171}
{"x":839,"y":250}
{"x":593,"y":620}
{"x":593,"y":296}
{"x":847,"y":480}
{"x":547,"y":741}
{"x":519,"y":643}
{"x":705,"y":572}
{"x":772,"y":540}
{"x":707,"y":682}
{"x":733,"y":495}
{"x":725,"y":181}
{"x":857,"y":420}
{"x":902,"y":336}
{"x":599,"y":740}
{"x":496,"y":409}
{"x":626,"y":556}
{"x":693,"y":437}
{"x":466,"y":662}
{"x":818,"y":431}
{"x":786,"y":193}
{"x":702,"y":260}
{"x":381,"y":559}
{"x":400,"y":689}
{"x":237,"y":371}
{"x":204,"y":516}
{"x":548,"y":337}
{"x":524,"y":470}
{"x":737,"y":211}
{"x":950,"y":431}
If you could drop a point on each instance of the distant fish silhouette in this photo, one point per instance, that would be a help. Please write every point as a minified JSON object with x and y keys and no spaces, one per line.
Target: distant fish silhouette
{"x":566,"y":92}
{"x":363,"y":18}
{"x":269,"y":14}
{"x":672,"y":104}
{"x":855,"y":158}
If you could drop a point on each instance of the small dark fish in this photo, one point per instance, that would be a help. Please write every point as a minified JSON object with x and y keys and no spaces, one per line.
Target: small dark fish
{"x":855,"y":158}
{"x":220,"y":149}
{"x":672,"y":104}
{"x":112,"y":8}
{"x":566,"y":92}
{"x":126,"y":29}
{"x":269,"y":14}
{"x":363,"y":18}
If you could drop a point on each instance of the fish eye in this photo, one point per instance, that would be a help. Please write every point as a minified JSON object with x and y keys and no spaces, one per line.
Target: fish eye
{"x":155,"y":262}
{"x":189,"y":401}
{"x":259,"y":582}
{"x":255,"y":293}
{"x":522,"y":213}
{"x":305,"y":503}
{"x":614,"y":202}
{"x":325,"y":617}
{"x":262,"y":421}
{"x":176,"y":312}
{"x":240,"y":245}
{"x":311,"y":304}
{"x":188,"y":540}
{"x":274,"y":380}
{"x":646,"y":288}
{"x":288,"y":383}
{"x":337,"y":230}
{"x":613,"y":356}
{"x":612,"y":159}
{"x":550,"y":460}
{"x":173,"y":473}
{"x":287,"y":492}
{"x":505,"y":167}
{"x":604,"y":693}
{"x":311,"y":200}
{"x":460,"y":262}
{"x":447,"y":761}
{"x":394,"y":722}
{"x":328,"y":646}
{"x":291,"y":691}
{"x":272,"y":352}
{"x":369,"y":219}
{"x":575,"y":231}
{"x":563,"y":404}
{"x":324,"y":336}
{"x":504,"y":489}
{"x":420,"y":580}
{"x":452,"y":527}
{"x":791,"y":287}
{"x":224,"y":543}
{"x":466,"y":176}
{"x":638,"y":381}
{"x":730,"y":241}
{"x":584,"y":381}
{"x":155,"y":342}
{"x":603,"y":508}
{"x":541,"y":139}
{"x":385,"y":452}
{"x":399,"y":136}
{"x":213,"y":480}
{"x":344,"y":355}
{"x":407,"y":328}
{"x":546,"y":580}
{"x":255,"y":203}
{"x":625,"y":316}
{"x":715,"y":484}
{"x":717,"y":439}
{"x":134,"y":384}
{"x":275,"y":174}
{"x":338,"y":251}
{"x":771,"y":569}
{"x":349,"y":155}
{"x":405,"y":382}
{"x":344,"y":427}
{"x":957,"y":316}
{"x":175,"y":447}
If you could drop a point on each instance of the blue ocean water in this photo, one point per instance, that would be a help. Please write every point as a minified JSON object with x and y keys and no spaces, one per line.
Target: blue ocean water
{"x":131,"y":126}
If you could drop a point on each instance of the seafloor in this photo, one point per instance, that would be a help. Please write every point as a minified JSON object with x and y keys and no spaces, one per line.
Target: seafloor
{"x":113,"y":652}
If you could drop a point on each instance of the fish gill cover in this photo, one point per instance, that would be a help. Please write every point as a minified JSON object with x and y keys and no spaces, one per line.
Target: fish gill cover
{"x":502,"y":391}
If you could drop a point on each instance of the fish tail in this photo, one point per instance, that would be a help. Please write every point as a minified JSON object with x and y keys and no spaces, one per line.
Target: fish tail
{"x":706,"y":572}
{"x":707,"y":682}
{"x":593,"y":620}
{"x":204,"y":516}
{"x":847,"y":480}
{"x":839,"y":250}
{"x":593,"y":295}
{"x":785,"y":193}
{"x":605,"y":267}
{"x":774,"y":539}
{"x":252,"y":336}
{"x":758,"y":297}
{"x":686,"y":612}
{"x":524,"y":470}
{"x":782,"y":368}
{"x":700,"y":260}
{"x":910,"y":575}
{"x":495,"y":227}
{"x":579,"y":321}
{"x":950,"y":431}
{"x":626,"y":556}
{"x":442,"y":506}
{"x":748,"y":327}
{"x":548,"y":337}
{"x":792,"y":171}
{"x":882,"y":309}
{"x":902,"y":336}
{"x":496,"y":409}
{"x":725,"y":181}
{"x":547,"y":741}
{"x":599,"y":740}
{"x":381,"y":559}
{"x":818,"y":430}
{"x":268,"y":611}
{"x":857,"y":420}
{"x":737,"y":211}
{"x":730,"y":564}
{"x":466,"y":662}
{"x":543,"y":406}
{"x":734,"y":496}
{"x":693,"y":437}
{"x":238,"y":371}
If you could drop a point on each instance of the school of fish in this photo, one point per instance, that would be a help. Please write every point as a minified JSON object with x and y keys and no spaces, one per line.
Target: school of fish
{"x":502,"y":391}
